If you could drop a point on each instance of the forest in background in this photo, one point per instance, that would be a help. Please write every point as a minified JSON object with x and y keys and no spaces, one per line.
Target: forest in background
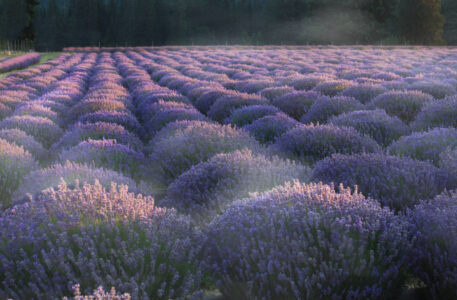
{"x":54,"y":24}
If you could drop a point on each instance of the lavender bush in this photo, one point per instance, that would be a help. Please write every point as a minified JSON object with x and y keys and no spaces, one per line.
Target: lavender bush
{"x":434,"y":256}
{"x":325,"y":108}
{"x":95,"y":237}
{"x":396,"y":182}
{"x":425,"y":145}
{"x":21,"y":139}
{"x":296,"y":104}
{"x":403,"y":104}
{"x":308,"y":242}
{"x":207,"y":188}
{"x":383,"y":128}
{"x":332,"y":88}
{"x":196,"y":143}
{"x":310,"y":143}
{"x":224,"y":106}
{"x":437,"y":114}
{"x":15,"y":163}
{"x":267,"y":129}
{"x":125,"y":119}
{"x":42,"y":129}
{"x":364,"y":92}
{"x":248,"y":114}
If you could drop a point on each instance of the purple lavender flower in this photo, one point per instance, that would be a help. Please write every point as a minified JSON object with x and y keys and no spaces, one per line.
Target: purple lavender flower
{"x":224,"y":106}
{"x":325,"y":108}
{"x":393,"y":181}
{"x":437,"y":114}
{"x":267,"y":129}
{"x":248,"y":114}
{"x":296,"y":104}
{"x":308,"y":242}
{"x":364,"y":92}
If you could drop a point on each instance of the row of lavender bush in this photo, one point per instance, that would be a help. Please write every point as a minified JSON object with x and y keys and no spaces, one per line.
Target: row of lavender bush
{"x":19,"y":62}
{"x":201,"y":131}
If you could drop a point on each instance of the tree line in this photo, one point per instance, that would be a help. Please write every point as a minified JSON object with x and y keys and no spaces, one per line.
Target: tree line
{"x":54,"y":24}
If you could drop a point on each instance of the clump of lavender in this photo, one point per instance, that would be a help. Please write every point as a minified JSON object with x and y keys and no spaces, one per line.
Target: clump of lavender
{"x":125,"y":119}
{"x":308,"y":82}
{"x":383,"y":128}
{"x":275,"y":92}
{"x":5,"y":111}
{"x":364,"y":92}
{"x":24,"y":140}
{"x":437,"y":89}
{"x":310,"y":143}
{"x":71,"y":173}
{"x":405,"y":105}
{"x":434,"y":255}
{"x":333,"y":87}
{"x":107,"y":154}
{"x":98,"y":294}
{"x":437,"y":114}
{"x":207,"y":99}
{"x":95,"y":237}
{"x":15,"y":163}
{"x":325,"y":108}
{"x":37,"y":110}
{"x":196,"y":143}
{"x":225,"y":105}
{"x":207,"y":188}
{"x":448,"y":162}
{"x":267,"y":129}
{"x":42,"y":129}
{"x":394,"y":181}
{"x":308,"y":242}
{"x":296,"y":104}
{"x":425,"y":145}
{"x":98,"y":131}
{"x":94,"y":105}
{"x":248,"y":114}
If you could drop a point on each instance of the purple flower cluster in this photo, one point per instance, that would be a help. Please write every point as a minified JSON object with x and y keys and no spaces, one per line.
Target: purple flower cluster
{"x":308,"y":242}
{"x":95,"y":237}
{"x":207,"y":188}
{"x":434,"y":255}
{"x":324,"y":108}
{"x":296,"y":104}
{"x":381,"y":127}
{"x":19,"y":62}
{"x":310,"y":143}
{"x":395,"y":182}
{"x":20,"y":138}
{"x":437,"y":114}
{"x":248,"y":114}
{"x":267,"y":129}
{"x":224,"y":106}
{"x":403,"y":104}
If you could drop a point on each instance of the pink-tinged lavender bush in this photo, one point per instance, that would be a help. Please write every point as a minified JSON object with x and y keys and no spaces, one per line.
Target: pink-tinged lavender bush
{"x":21,"y":139}
{"x":57,"y":107}
{"x":95,"y":237}
{"x":98,"y":294}
{"x":403,"y":104}
{"x":437,"y":89}
{"x":425,"y":145}
{"x":437,"y":114}
{"x":37,"y":110}
{"x":305,"y":241}
{"x":125,"y":119}
{"x":364,"y":92}
{"x":310,"y":143}
{"x":434,"y":255}
{"x":98,"y":131}
{"x":15,"y":163}
{"x":207,"y":99}
{"x":197,"y":92}
{"x":272,"y":93}
{"x":166,"y":116}
{"x":224,"y":106}
{"x":267,"y":129}
{"x":5,"y":111}
{"x":194,"y":144}
{"x":71,"y":173}
{"x":42,"y":129}
{"x":325,"y":108}
{"x":395,"y":181}
{"x":94,"y":105}
{"x":383,"y":128}
{"x":167,"y":96}
{"x":248,"y":114}
{"x":297,"y":104}
{"x":332,"y":88}
{"x":252,"y":86}
{"x":107,"y":154}
{"x":207,"y":188}
{"x":19,"y":62}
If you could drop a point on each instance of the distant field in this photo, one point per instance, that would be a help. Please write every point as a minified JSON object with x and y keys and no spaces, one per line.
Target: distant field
{"x":344,"y":158}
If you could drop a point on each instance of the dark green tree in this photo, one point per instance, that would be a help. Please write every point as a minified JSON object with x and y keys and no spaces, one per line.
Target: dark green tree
{"x":420,"y":21}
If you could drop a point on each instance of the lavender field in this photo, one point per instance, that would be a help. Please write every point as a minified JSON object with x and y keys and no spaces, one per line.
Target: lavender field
{"x":249,"y":172}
